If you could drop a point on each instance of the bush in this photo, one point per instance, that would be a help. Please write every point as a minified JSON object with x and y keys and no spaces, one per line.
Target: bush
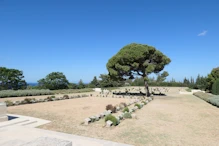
{"x":127,"y":116}
{"x":138,"y":105}
{"x":20,"y":93}
{"x":28,"y":100}
{"x":204,"y":96}
{"x":66,"y":97}
{"x":215,"y":87}
{"x":126,"y":109}
{"x":113,"y":119}
{"x":111,"y":107}
{"x":214,"y":101}
{"x":9,"y":103}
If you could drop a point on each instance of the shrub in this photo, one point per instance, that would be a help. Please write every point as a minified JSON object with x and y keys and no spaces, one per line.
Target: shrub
{"x":138,"y":105}
{"x":204,"y":96}
{"x":9,"y":103}
{"x":50,"y":98}
{"x":126,"y":109}
{"x":27,"y":100}
{"x":214,"y":101}
{"x":215,"y":87}
{"x":66,"y":97}
{"x":111,"y":107}
{"x":19,"y":93}
{"x":113,"y":119}
{"x":127,"y":116}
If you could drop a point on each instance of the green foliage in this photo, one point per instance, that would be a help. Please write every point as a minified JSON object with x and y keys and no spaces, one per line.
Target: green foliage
{"x":94,"y":83}
{"x":162,"y":77}
{"x":28,"y":100}
{"x":65,"y":96}
{"x":11,"y":79}
{"x":212,"y":99}
{"x":9,"y":103}
{"x":127,"y":116}
{"x":72,"y":86}
{"x":54,"y":81}
{"x":189,"y":90}
{"x":106,"y":82}
{"x":215,"y":87}
{"x":111,"y":107}
{"x":136,"y":59}
{"x":69,"y":91}
{"x":144,"y":102}
{"x":81,"y":85}
{"x":138,"y":105}
{"x":204,"y":96}
{"x":126,"y":109}
{"x":212,"y":77}
{"x":20,"y":93}
{"x":112,"y":119}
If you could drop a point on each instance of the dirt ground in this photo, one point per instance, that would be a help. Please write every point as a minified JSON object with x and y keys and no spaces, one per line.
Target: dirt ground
{"x":167,"y":120}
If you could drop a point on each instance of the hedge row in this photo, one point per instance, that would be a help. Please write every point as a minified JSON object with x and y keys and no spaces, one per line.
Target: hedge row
{"x":33,"y":100}
{"x":212,"y":99}
{"x":20,"y":93}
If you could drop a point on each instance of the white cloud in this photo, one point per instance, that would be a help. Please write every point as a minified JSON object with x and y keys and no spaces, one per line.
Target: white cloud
{"x":203,"y":33}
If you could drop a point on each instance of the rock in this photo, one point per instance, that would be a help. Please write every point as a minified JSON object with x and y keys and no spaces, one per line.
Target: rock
{"x":16,"y":103}
{"x":120,"y":117}
{"x":57,"y":98}
{"x":109,"y":111}
{"x":33,"y":101}
{"x":53,"y":99}
{"x":135,"y":107}
{"x":102,"y":115}
{"x":109,"y":123}
{"x":97,"y":117}
{"x":93,"y":118}
{"x":117,"y":108}
{"x":134,"y":116}
{"x":41,"y":100}
{"x":87,"y":121}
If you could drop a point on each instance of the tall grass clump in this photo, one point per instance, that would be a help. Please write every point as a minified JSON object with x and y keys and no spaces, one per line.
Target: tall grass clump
{"x":20,"y":93}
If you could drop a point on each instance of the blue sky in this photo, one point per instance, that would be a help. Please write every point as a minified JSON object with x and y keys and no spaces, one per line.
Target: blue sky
{"x":78,"y":37}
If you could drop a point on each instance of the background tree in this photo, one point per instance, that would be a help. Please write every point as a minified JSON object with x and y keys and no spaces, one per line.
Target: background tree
{"x":162,"y":77}
{"x":11,"y":79}
{"x":215,"y":87}
{"x":54,"y":81}
{"x":81,"y":84}
{"x":136,"y":60}
{"x":106,"y":81}
{"x":94,"y":83}
{"x":212,"y":77}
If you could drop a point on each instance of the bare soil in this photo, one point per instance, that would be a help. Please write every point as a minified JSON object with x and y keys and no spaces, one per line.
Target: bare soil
{"x":167,"y":120}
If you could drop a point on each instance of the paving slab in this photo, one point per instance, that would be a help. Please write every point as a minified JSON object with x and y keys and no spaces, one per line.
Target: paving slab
{"x":20,"y":135}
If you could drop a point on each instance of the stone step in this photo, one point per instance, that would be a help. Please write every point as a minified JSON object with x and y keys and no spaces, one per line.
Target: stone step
{"x":12,"y":122}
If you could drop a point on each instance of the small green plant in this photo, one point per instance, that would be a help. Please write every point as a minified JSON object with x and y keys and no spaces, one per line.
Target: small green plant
{"x":127,"y":116}
{"x":112,"y":119}
{"x":189,"y":90}
{"x":9,"y":103}
{"x":138,"y":105}
{"x":144,"y":102}
{"x":126,"y":109}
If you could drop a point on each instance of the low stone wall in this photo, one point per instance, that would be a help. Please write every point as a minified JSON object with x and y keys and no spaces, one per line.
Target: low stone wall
{"x":3,"y":112}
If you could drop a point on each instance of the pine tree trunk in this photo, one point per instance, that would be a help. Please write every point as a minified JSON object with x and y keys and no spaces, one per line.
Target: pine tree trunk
{"x":146,"y":88}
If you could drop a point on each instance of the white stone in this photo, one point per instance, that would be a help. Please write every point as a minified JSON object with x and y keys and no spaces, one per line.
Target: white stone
{"x":97,"y":117}
{"x":109,"y":123}
{"x":3,"y":112}
{"x":87,"y":121}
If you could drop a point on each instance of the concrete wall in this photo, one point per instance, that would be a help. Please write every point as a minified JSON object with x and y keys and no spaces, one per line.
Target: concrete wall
{"x":3,"y":112}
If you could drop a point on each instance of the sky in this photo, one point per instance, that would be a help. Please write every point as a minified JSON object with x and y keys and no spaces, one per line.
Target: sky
{"x":79,"y":37}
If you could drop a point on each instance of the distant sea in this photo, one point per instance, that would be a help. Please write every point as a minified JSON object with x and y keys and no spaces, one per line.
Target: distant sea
{"x":32,"y":84}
